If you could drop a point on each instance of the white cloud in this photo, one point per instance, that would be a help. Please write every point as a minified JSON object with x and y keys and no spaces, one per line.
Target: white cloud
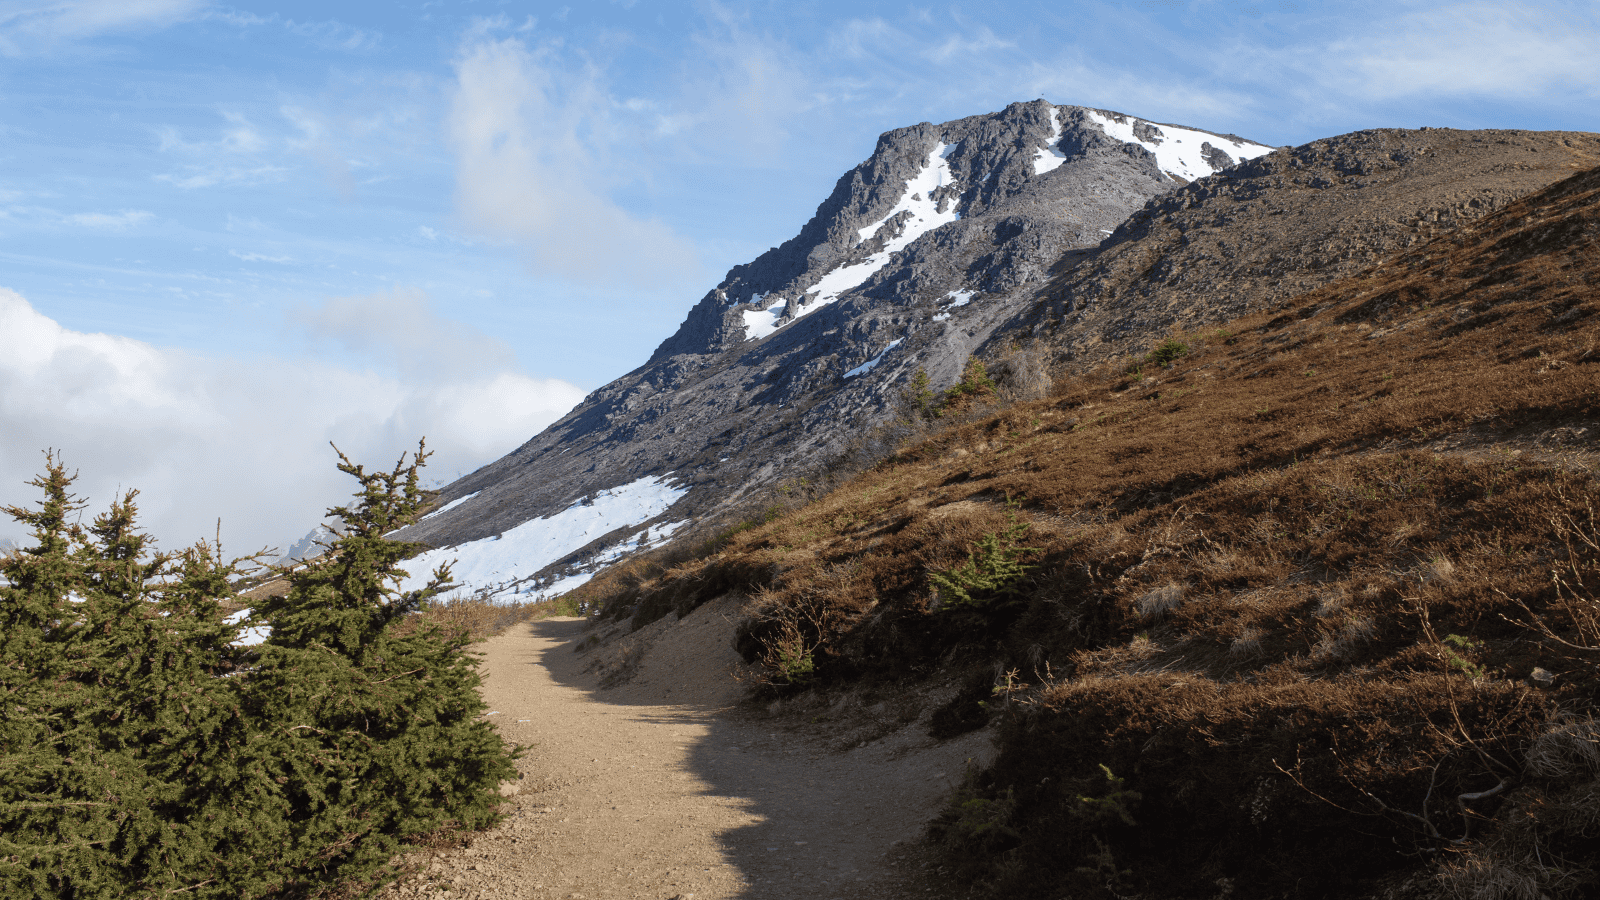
{"x":981,"y":40}
{"x":316,"y":141}
{"x":745,"y":93}
{"x":1073,"y":82}
{"x":1501,"y":50}
{"x":537,"y":157}
{"x":1433,"y":56}
{"x":240,"y":135}
{"x":245,"y":439}
{"x":259,"y":257}
{"x":29,"y":26}
{"x":213,"y":176}
{"x":399,"y":330}
{"x":114,"y":221}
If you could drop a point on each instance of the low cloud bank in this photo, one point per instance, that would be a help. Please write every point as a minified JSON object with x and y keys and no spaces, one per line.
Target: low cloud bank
{"x":246,"y":439}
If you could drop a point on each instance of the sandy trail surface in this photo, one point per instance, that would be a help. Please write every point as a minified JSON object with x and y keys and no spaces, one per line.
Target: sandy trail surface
{"x":665,"y":787}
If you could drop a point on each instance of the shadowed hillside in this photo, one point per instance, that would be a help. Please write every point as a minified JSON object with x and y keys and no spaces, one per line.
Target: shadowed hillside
{"x":1301,"y":604}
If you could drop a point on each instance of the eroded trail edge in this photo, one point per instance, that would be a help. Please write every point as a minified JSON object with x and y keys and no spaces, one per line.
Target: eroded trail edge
{"x":664,"y":787}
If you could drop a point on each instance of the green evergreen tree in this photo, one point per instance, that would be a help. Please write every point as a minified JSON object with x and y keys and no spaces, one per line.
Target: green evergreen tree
{"x":60,"y":793}
{"x":142,"y":754}
{"x":385,"y":735}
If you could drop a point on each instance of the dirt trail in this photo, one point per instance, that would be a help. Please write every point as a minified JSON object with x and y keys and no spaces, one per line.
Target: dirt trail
{"x":660,"y":788}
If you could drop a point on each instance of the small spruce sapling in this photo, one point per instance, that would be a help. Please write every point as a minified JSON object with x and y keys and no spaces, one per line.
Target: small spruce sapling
{"x":993,"y":570}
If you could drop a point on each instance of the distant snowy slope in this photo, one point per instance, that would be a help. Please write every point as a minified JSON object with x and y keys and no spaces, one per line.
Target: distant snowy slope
{"x":496,"y":564}
{"x":1049,"y":157}
{"x":1181,"y":152}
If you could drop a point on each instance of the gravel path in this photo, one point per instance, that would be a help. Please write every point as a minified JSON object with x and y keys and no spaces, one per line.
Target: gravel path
{"x":662,"y":788}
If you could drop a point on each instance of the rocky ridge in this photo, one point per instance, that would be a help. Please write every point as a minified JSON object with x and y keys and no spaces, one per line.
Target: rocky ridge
{"x":1286,"y":223}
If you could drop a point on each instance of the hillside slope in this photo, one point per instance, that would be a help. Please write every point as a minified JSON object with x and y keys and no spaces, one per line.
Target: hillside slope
{"x":982,"y":234}
{"x":1305,"y":605}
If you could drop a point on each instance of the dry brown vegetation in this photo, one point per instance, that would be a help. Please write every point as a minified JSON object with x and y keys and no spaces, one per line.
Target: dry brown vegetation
{"x":474,"y":618}
{"x":1322,"y":597}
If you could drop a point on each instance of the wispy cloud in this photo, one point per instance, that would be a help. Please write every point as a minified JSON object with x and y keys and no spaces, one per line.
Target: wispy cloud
{"x":247,"y":439}
{"x":194,"y":177}
{"x":1372,"y":60}
{"x":979,"y":40}
{"x":239,"y":135}
{"x":746,"y":92}
{"x":328,"y":34}
{"x":114,"y":221}
{"x":29,"y":27}
{"x":400,"y":330}
{"x":237,"y":153}
{"x":52,"y":218}
{"x":1486,"y":50}
{"x":259,"y":257}
{"x":537,"y":156}
{"x":317,"y":141}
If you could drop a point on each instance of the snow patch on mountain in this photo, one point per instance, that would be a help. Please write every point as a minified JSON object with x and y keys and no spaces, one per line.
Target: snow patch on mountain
{"x":868,"y":366}
{"x":758,"y":323}
{"x":959,"y":298}
{"x":1048,"y":157}
{"x":449,"y":506}
{"x":492,"y":563}
{"x":1179,"y":151}
{"x":309,"y":547}
{"x":925,"y":214}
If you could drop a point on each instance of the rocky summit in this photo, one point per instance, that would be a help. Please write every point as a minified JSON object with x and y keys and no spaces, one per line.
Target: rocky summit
{"x":1081,"y":231}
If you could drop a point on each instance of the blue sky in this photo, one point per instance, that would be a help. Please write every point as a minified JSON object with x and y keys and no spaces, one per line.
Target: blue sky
{"x":230,"y":233}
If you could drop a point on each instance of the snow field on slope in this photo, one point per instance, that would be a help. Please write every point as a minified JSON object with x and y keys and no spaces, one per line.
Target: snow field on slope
{"x":560,"y":586}
{"x":925,"y":217}
{"x":1179,"y":151}
{"x":1048,"y":157}
{"x":529,"y":547}
{"x":250,"y":636}
{"x":449,"y":506}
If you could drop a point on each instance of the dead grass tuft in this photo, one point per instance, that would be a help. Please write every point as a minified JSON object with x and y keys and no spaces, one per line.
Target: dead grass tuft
{"x":1481,"y":879}
{"x":1157,"y":601}
{"x":1567,"y":750}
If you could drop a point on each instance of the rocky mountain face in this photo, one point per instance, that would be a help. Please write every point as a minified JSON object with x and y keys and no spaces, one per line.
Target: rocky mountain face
{"x":975,"y":235}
